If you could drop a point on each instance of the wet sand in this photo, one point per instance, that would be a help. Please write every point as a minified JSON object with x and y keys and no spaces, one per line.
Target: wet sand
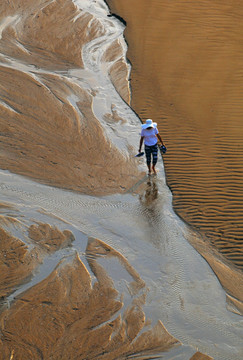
{"x":64,"y":314}
{"x":47,"y":133}
{"x":85,"y":275}
{"x":132,"y":244}
{"x":186,"y":76}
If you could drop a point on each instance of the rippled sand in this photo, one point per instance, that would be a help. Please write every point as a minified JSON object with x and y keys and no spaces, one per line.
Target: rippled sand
{"x":51,"y":131}
{"x":72,"y":294}
{"x":81,"y":275}
{"x":187,"y":75}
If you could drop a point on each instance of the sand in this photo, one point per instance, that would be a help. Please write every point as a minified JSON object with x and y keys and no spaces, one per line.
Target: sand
{"x":183,"y":53}
{"x":50,"y":132}
{"x":200,"y":356}
{"x":85,"y":274}
{"x":71,"y":314}
{"x":133,"y":244}
{"x":186,"y":66}
{"x":65,"y":314}
{"x":17,"y":260}
{"x":48,"y":125}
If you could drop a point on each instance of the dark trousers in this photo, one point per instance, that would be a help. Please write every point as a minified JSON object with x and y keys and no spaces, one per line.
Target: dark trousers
{"x":151,"y":152}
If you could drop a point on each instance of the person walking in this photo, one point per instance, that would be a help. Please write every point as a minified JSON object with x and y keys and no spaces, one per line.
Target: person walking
{"x":150,"y":136}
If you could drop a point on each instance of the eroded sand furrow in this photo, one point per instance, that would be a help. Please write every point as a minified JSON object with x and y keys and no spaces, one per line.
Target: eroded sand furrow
{"x":182,"y":289}
{"x":64,"y":122}
{"x":65,"y":310}
{"x":53,"y":109}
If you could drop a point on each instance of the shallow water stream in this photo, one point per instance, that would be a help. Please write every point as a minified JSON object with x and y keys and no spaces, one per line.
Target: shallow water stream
{"x":182,"y":289}
{"x":66,"y":122}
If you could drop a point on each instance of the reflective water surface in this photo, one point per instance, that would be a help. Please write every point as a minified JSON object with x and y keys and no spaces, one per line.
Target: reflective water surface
{"x":94,"y":261}
{"x":178,"y":286}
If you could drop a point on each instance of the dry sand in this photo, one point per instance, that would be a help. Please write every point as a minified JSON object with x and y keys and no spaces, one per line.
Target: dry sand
{"x":186,"y":55}
{"x":186,"y":75}
{"x":65,"y":122}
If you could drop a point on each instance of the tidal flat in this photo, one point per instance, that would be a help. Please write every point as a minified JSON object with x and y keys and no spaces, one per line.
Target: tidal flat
{"x":95,"y":263}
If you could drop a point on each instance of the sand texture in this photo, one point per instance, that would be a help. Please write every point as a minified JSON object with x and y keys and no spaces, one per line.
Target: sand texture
{"x":65,"y":316}
{"x":94,"y":262}
{"x":16,"y":263}
{"x":200,"y":356}
{"x":177,"y":286}
{"x":50,"y":238}
{"x":76,"y":311}
{"x":49,"y":130}
{"x":17,"y":259}
{"x":186,"y":75}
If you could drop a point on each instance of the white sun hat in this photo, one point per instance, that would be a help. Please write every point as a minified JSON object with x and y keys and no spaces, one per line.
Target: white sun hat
{"x":149,"y":123}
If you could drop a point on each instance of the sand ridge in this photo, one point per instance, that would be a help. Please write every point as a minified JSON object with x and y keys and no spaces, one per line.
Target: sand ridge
{"x":48,"y":106}
{"x":18,"y":259}
{"x":82,"y":295}
{"x":200,"y":356}
{"x":229,"y":277}
{"x":49,"y":130}
{"x":66,"y":314}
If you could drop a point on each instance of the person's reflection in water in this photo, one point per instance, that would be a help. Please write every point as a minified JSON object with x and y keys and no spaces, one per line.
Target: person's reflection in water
{"x":150,"y":194}
{"x":150,"y":207}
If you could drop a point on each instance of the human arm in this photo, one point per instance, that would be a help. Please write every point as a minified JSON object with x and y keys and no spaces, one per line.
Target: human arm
{"x":159,"y":138}
{"x":141,"y":143}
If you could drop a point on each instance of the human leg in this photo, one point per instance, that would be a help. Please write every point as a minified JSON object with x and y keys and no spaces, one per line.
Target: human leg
{"x":154,"y":150}
{"x":148,"y":153}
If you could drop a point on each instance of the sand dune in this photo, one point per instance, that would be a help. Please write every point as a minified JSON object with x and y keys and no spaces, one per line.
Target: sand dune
{"x":186,"y":75}
{"x":65,"y":121}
